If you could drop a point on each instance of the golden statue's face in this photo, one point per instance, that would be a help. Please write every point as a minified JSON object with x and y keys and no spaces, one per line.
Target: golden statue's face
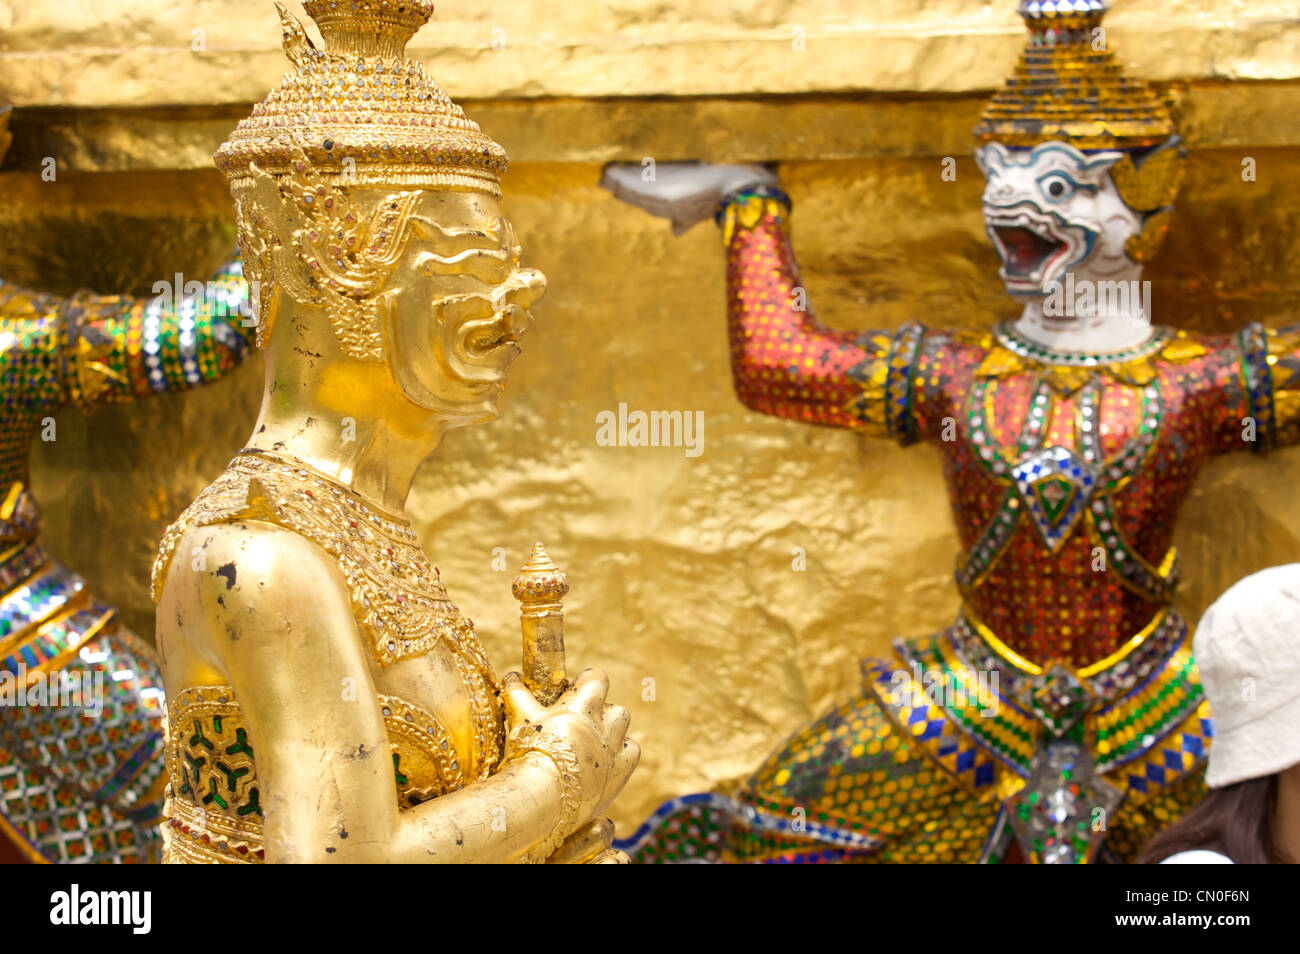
{"x":456,"y":306}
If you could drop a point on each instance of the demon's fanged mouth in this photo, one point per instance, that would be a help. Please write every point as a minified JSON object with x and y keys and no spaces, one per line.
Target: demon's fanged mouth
{"x":1025,"y":251}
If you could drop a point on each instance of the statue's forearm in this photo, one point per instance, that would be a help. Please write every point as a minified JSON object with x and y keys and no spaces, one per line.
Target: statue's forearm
{"x":342,"y":819}
{"x":119,"y":348}
{"x":784,"y":361}
{"x":500,"y":819}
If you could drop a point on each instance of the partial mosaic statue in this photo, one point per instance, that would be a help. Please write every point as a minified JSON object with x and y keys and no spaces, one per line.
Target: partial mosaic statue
{"x":327,"y":701}
{"x":1060,"y":718}
{"x":81,"y":702}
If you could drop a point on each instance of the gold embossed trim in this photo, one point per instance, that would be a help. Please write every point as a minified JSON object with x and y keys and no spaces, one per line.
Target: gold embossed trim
{"x":425,"y":762}
{"x":213,"y":810}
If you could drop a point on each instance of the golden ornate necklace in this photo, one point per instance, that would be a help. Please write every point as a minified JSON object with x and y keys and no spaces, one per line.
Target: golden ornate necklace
{"x":398,"y":598}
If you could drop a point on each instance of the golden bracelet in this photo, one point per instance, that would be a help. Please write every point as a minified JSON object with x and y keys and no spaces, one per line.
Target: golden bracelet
{"x":533,"y":738}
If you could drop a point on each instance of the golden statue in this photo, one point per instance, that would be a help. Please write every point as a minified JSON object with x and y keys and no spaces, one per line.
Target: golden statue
{"x":327,"y":702}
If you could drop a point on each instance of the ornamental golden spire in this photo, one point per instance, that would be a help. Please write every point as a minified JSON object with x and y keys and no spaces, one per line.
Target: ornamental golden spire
{"x":1069,"y":87}
{"x":360,"y":112}
{"x":539,"y":588}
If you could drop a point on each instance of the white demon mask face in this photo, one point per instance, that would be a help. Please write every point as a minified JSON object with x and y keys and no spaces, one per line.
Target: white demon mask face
{"x":1051,"y":210}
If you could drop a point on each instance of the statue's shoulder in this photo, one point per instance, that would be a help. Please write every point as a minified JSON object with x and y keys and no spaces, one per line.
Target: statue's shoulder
{"x":240,"y":518}
{"x":235,"y":590}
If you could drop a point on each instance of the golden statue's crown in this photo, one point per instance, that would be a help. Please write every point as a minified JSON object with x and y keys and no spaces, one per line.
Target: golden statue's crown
{"x":360,"y":112}
{"x":1069,"y":87}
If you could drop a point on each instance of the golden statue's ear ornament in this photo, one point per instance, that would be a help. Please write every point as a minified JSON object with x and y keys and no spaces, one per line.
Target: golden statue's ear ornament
{"x":323,"y":250}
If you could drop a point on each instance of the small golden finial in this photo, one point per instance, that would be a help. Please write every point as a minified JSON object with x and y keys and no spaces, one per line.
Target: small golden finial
{"x":539,"y":588}
{"x":296,"y":41}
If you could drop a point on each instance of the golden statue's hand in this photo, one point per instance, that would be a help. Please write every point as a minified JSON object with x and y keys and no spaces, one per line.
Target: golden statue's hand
{"x":584,"y":738}
{"x":590,"y":844}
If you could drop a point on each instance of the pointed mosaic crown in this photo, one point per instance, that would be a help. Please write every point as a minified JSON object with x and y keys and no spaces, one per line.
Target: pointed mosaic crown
{"x":360,"y":112}
{"x":1069,"y":87}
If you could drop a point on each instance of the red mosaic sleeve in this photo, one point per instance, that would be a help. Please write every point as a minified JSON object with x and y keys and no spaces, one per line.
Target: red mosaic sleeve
{"x":119,"y":348}
{"x":784,"y":361}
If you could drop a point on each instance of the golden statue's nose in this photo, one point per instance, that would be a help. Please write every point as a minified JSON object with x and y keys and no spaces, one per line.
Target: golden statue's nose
{"x":529,"y":285}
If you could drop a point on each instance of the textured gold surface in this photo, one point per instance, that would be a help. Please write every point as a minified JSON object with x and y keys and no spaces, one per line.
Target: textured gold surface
{"x":124,"y":53}
{"x":680,"y":569}
{"x":119,"y":232}
{"x":628,"y":130}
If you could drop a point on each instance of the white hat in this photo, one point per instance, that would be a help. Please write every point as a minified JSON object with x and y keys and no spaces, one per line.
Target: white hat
{"x":1248,"y":650}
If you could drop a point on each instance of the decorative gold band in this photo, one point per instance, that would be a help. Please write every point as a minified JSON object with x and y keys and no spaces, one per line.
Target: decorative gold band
{"x":533,"y":738}
{"x":386,"y":177}
{"x":1033,"y":669}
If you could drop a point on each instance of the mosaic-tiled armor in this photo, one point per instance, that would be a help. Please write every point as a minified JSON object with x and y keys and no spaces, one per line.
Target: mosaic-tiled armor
{"x":1065,"y":476}
{"x":83,"y":782}
{"x":1059,"y":718}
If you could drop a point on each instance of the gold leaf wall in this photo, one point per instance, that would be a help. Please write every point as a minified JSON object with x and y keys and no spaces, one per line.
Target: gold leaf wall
{"x":681,"y":568}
